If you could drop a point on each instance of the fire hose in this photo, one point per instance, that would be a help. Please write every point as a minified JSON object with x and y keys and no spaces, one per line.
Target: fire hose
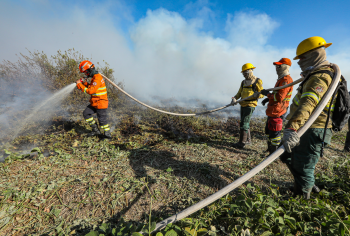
{"x":258,"y":168}
{"x":194,"y":114}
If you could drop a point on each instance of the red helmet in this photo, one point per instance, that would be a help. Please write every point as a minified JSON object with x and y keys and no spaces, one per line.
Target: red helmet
{"x":85,"y":65}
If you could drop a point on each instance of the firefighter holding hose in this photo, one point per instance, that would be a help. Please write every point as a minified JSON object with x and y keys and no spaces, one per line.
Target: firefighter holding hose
{"x":278,"y":102}
{"x":99,"y":100}
{"x":250,"y":86}
{"x":303,"y":153}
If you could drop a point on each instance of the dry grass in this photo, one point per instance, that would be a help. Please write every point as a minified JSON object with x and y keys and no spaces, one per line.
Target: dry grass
{"x":74,"y":183}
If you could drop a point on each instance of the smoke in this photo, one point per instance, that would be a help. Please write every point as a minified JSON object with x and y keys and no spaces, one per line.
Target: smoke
{"x":163,"y":55}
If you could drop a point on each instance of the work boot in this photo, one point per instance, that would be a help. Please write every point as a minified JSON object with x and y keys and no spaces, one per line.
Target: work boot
{"x":95,"y":131}
{"x":315,"y":189}
{"x":270,"y":149}
{"x":242,"y":139}
{"x":108,"y":134}
{"x":249,"y":139}
{"x":347,"y":142}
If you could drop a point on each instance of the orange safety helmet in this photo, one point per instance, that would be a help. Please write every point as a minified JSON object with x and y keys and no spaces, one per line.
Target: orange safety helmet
{"x":85,"y":65}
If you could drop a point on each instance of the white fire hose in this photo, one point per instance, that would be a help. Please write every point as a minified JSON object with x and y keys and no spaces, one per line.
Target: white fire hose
{"x":259,"y":167}
{"x":194,"y":114}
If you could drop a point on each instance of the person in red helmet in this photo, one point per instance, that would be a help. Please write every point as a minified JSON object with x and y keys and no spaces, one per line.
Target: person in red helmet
{"x":278,"y":103}
{"x":99,"y":100}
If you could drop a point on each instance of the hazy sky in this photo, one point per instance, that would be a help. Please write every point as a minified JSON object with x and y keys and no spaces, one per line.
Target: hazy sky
{"x":177,"y":49}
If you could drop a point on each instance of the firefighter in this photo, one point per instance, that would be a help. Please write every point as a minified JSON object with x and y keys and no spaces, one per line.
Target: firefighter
{"x":250,"y":86}
{"x":99,"y":100}
{"x":278,"y":103}
{"x":302,"y":154}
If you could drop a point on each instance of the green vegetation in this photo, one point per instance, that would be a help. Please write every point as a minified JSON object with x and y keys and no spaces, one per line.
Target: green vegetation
{"x":57,"y":181}
{"x":155,"y":166}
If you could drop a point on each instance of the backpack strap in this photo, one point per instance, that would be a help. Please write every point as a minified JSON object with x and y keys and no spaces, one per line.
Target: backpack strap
{"x":330,"y":73}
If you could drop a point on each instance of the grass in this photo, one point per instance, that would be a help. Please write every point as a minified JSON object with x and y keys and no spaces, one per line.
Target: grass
{"x":155,"y":166}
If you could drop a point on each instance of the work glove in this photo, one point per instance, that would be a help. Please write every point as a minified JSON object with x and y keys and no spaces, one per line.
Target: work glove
{"x":263,"y":102}
{"x":79,"y":81}
{"x":256,"y":94}
{"x":264,"y":92}
{"x":290,"y":139}
{"x":233,"y":101}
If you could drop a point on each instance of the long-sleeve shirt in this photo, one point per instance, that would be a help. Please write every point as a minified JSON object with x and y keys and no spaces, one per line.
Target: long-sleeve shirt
{"x":98,"y":91}
{"x":246,"y":91}
{"x":279,"y":99}
{"x":305,"y":102}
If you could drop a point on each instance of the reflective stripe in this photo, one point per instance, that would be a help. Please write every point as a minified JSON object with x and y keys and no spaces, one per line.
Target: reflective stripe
{"x":286,"y":99}
{"x":296,"y":100}
{"x":274,"y":97}
{"x":311,"y":94}
{"x":327,"y":107}
{"x":99,"y":94}
{"x":85,"y":90}
{"x":276,"y":141}
{"x":101,"y":88}
{"x":289,"y":94}
{"x":90,"y":119}
{"x":105,"y":127}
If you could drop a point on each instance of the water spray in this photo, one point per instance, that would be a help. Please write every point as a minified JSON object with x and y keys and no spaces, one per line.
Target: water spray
{"x":49,"y":104}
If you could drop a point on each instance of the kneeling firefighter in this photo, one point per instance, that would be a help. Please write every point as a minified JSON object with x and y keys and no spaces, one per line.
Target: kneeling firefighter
{"x":99,"y":100}
{"x":250,"y":86}
{"x":302,"y":154}
{"x":278,"y":103}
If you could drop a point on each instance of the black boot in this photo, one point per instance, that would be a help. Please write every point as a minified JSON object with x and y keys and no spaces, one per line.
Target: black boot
{"x":347,"y":142}
{"x":271,"y":148}
{"x":315,"y":189}
{"x":95,"y":131}
{"x":242,"y":139}
{"x":108,"y":134}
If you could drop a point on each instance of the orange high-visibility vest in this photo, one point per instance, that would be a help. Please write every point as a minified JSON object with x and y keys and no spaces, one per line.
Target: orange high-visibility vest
{"x":98,"y":91}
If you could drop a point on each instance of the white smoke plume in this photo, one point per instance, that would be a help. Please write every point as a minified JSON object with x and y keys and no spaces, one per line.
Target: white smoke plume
{"x":162,"y":55}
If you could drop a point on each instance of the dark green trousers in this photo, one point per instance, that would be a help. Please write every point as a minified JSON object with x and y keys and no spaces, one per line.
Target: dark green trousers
{"x":303,"y":159}
{"x":246,"y":115}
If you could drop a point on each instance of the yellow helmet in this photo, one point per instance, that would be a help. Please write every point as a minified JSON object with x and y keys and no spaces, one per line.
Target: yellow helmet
{"x":247,"y":66}
{"x":309,"y":44}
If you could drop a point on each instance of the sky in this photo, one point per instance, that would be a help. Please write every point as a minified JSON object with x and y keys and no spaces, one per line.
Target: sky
{"x":185,"y":50}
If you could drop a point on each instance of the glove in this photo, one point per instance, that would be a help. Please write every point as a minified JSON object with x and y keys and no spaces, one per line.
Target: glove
{"x":79,"y":81}
{"x":256,"y":94}
{"x":290,"y":139}
{"x":263,"y":102}
{"x":264,"y":92}
{"x":233,"y":101}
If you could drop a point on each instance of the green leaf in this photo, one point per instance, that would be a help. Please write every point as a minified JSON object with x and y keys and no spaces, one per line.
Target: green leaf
{"x":266,"y":233}
{"x":169,"y":169}
{"x":201,"y":231}
{"x":289,"y":223}
{"x":136,"y":234}
{"x":159,"y":234}
{"x":153,"y":226}
{"x":104,"y":227}
{"x":341,"y":229}
{"x":346,"y":222}
{"x":171,"y":233}
{"x":7,"y":152}
{"x":36,"y":150}
{"x":93,"y":233}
